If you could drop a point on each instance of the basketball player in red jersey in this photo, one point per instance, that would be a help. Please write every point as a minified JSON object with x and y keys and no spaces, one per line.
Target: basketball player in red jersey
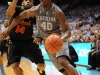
{"x":50,"y":19}
{"x":22,"y":41}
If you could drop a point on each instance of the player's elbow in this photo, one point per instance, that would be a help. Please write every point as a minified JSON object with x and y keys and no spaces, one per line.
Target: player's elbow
{"x":23,"y":15}
{"x":8,"y":15}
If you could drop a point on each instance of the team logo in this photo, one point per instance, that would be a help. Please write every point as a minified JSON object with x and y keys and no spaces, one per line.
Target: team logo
{"x":53,"y":12}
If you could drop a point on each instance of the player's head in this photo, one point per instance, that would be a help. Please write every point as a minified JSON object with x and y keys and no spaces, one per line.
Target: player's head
{"x":6,"y":23}
{"x":45,"y":2}
{"x":27,"y":3}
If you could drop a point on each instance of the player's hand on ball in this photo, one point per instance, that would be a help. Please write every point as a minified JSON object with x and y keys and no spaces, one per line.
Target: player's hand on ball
{"x":54,"y":34}
{"x":53,"y":43}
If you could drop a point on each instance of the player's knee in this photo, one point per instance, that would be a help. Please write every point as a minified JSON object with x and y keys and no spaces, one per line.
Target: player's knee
{"x":63,"y":61}
{"x":62,"y":70}
{"x":15,"y":65}
{"x":41,"y":66}
{"x":65,"y":73}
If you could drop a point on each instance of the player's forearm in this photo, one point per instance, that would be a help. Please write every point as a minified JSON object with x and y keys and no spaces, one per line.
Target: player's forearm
{"x":11,"y":9}
{"x":17,"y":20}
{"x":14,"y":23}
{"x":66,"y":35}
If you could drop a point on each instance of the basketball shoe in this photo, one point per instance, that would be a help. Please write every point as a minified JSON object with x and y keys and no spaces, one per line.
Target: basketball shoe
{"x":41,"y":72}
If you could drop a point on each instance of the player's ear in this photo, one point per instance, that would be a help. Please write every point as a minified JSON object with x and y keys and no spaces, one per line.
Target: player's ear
{"x":22,"y":3}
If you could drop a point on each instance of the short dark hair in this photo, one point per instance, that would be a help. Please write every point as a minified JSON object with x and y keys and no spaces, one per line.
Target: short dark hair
{"x":92,"y":34}
{"x":32,"y":0}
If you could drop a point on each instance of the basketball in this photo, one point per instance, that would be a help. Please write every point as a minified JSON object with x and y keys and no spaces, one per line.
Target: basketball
{"x":53,"y":43}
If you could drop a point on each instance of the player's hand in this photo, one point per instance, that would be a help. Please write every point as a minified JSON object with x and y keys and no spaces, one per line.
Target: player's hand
{"x":38,"y":41}
{"x":4,"y":34}
{"x":58,"y":35}
{"x":54,"y":34}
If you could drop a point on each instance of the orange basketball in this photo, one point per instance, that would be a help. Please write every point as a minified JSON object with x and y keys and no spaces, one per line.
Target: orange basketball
{"x":53,"y":43}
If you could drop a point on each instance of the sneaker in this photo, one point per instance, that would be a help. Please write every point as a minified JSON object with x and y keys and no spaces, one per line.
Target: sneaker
{"x":41,"y":72}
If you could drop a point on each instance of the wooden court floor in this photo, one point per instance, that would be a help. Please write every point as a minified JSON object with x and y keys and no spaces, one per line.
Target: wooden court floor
{"x":25,"y":65}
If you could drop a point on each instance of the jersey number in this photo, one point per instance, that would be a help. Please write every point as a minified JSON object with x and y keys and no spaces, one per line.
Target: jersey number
{"x":46,"y":26}
{"x":20,"y":29}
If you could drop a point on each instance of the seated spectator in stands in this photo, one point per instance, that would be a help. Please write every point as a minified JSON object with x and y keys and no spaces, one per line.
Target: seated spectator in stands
{"x":91,"y":55}
{"x":87,"y":39}
{"x":83,"y":38}
{"x":98,"y":61}
{"x":78,"y":38}
{"x":98,"y":52}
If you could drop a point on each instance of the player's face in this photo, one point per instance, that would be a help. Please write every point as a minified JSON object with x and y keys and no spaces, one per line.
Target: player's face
{"x":27,"y":3}
{"x":6,"y":23}
{"x":45,"y":2}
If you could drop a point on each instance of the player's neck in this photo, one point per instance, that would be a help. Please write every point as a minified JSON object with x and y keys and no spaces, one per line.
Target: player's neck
{"x":48,"y":6}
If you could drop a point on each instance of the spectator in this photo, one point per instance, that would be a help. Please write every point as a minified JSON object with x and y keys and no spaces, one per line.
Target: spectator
{"x":91,"y":55}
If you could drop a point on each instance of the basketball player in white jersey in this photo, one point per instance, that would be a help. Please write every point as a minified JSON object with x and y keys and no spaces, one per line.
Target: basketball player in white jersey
{"x":50,"y":19}
{"x":3,"y":47}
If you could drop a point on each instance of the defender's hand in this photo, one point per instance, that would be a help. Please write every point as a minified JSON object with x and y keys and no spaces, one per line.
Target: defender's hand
{"x":38,"y":40}
{"x":4,"y":34}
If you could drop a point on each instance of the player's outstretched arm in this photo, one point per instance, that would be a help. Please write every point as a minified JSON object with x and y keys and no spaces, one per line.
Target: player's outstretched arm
{"x":11,"y":9}
{"x":25,"y":14}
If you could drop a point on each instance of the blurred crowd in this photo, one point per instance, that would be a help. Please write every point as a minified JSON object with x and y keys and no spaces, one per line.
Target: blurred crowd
{"x":2,"y":13}
{"x":82,"y":20}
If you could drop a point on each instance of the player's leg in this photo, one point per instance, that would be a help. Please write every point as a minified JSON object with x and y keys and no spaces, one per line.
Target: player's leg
{"x":67,"y":66}
{"x":35,"y":55}
{"x":64,"y":62}
{"x":1,"y":60}
{"x":2,"y":66}
{"x":17,"y":70}
{"x":14,"y":59}
{"x":54,"y":60}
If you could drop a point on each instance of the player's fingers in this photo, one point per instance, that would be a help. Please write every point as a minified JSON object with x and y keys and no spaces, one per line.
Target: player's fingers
{"x":2,"y":37}
{"x":35,"y":41}
{"x":55,"y":34}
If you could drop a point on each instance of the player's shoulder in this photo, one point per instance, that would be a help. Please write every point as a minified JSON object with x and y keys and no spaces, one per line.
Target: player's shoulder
{"x":34,"y":8}
{"x":57,"y":8}
{"x":59,"y":12}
